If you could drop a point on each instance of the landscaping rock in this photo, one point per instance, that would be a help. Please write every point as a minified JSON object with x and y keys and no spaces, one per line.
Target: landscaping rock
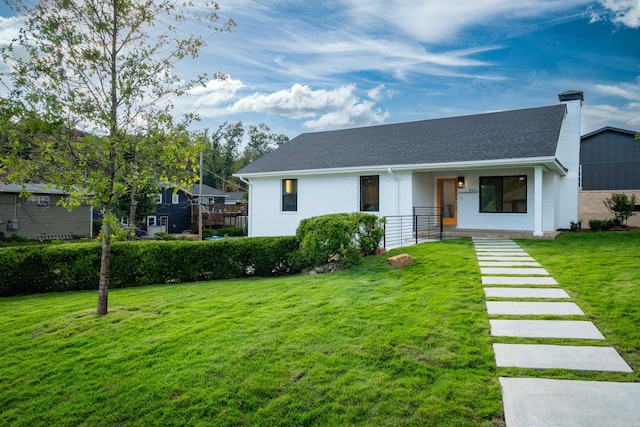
{"x":400,"y":260}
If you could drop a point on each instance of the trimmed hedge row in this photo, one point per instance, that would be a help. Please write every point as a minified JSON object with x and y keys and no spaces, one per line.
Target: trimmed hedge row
{"x":37,"y":269}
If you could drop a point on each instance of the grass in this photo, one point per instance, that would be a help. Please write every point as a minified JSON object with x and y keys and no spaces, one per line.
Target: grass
{"x":372,"y":345}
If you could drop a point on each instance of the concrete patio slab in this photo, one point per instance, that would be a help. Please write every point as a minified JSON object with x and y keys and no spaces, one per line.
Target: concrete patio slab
{"x":501,"y":257}
{"x":545,"y":329}
{"x":536,"y":402}
{"x":533,"y":308}
{"x":525,"y":293}
{"x":509,"y":264}
{"x":539,"y":356}
{"x":515,"y":270}
{"x":517,"y":281}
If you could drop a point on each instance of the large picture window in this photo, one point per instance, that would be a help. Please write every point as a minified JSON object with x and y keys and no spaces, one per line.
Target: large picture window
{"x":290,"y":195}
{"x":370,"y":193}
{"x":506,"y":194}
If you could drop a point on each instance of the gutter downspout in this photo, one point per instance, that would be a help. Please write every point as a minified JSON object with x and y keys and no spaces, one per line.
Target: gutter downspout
{"x":397,"y":190}
{"x":249,"y":201}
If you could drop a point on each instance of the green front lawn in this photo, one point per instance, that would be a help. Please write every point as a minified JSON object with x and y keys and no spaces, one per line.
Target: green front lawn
{"x":372,"y":345}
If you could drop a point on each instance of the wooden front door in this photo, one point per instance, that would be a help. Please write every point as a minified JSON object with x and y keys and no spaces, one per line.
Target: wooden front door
{"x":448,"y":200}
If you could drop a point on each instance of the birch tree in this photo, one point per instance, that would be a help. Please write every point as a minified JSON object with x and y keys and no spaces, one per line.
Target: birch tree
{"x":108,"y":68}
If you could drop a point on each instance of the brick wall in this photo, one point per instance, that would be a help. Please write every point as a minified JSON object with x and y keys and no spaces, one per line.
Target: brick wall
{"x":591,"y":206}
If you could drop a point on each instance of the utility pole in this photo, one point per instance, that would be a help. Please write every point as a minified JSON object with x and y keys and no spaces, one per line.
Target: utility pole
{"x":200,"y":202}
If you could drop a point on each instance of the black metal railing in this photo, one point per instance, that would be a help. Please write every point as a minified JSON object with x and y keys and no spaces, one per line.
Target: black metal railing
{"x":425,"y":224}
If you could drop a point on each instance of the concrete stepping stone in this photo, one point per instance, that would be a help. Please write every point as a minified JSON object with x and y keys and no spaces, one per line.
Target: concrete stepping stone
{"x":516,"y":250}
{"x":517,"y":281}
{"x":525,"y":293}
{"x":497,"y":247}
{"x":509,"y":264}
{"x":504,"y":258}
{"x":533,"y":308}
{"x":520,"y":254}
{"x":540,"y":356}
{"x":537,"y":402}
{"x":545,"y":329}
{"x":514,"y":270}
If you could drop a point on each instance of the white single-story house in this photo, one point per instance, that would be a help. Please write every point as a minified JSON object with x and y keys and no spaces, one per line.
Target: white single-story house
{"x":509,"y":171}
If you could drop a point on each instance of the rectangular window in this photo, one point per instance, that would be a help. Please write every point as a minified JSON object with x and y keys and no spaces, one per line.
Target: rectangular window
{"x":370,"y":193}
{"x":39,"y":200}
{"x":503,"y":194}
{"x":151,"y":221}
{"x":164,"y":221}
{"x":175,"y":199}
{"x":289,"y":195}
{"x":158,"y":199}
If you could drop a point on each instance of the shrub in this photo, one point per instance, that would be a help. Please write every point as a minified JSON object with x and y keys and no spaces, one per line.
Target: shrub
{"x":621,"y":206}
{"x":36,"y":269}
{"x":342,"y":238}
{"x":601,"y":224}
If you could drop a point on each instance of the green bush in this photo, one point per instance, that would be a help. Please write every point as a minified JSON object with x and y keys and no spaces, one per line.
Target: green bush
{"x":342,"y":238}
{"x":602,"y":224}
{"x":37,"y":269}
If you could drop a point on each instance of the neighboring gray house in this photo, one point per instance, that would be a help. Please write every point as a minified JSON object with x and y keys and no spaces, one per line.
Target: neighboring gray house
{"x":38,"y":216}
{"x":513,"y":171}
{"x":609,"y":163}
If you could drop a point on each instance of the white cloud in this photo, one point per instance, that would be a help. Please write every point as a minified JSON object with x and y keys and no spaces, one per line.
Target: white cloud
{"x":376,"y":93}
{"x":440,"y":21}
{"x":628,"y":91}
{"x":623,"y":12}
{"x":601,"y":115}
{"x":215,"y":92}
{"x":328,"y":108}
{"x":9,"y":29}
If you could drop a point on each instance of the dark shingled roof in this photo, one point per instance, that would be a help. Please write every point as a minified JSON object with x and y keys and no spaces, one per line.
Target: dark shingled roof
{"x":514,"y":134}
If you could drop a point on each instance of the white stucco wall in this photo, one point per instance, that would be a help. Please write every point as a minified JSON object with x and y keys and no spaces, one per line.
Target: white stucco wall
{"x":469,"y":215}
{"x":568,"y":153}
{"x":319,"y":195}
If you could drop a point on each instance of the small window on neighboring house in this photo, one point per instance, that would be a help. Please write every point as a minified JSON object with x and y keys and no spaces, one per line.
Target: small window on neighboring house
{"x":175,"y":198}
{"x":503,"y":194}
{"x":39,"y":200}
{"x":370,"y":193}
{"x":636,"y":208}
{"x":151,"y":221}
{"x":164,"y":221}
{"x":159,"y":199}
{"x":289,"y":195}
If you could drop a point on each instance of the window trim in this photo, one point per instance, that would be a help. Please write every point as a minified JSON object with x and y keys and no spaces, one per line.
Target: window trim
{"x":289,"y":194}
{"x":375,"y":207}
{"x":175,"y":199}
{"x":151,"y":221}
{"x":502,"y":178}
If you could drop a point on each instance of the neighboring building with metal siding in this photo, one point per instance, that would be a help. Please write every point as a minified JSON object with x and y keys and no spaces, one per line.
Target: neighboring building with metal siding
{"x":610,"y":163}
{"x":610,"y":160}
{"x":38,"y":216}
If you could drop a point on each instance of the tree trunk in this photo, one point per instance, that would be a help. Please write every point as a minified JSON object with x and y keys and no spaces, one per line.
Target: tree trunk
{"x":103,"y":287}
{"x":133,"y":207}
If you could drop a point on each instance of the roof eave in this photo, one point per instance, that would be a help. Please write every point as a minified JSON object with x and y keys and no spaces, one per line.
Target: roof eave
{"x":551,"y":163}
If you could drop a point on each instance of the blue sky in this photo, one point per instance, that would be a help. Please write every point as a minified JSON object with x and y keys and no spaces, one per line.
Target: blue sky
{"x":302,"y":66}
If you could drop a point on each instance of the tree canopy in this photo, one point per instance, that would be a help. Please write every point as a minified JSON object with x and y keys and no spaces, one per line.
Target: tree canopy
{"x":105,"y":70}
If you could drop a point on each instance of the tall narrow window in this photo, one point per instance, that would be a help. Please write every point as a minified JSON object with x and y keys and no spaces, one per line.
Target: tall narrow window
{"x":370,"y":193}
{"x":289,"y":195}
{"x":175,"y":199}
{"x":503,"y":194}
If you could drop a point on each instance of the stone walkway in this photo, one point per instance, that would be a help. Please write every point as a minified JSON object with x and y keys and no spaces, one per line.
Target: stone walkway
{"x":520,"y":287}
